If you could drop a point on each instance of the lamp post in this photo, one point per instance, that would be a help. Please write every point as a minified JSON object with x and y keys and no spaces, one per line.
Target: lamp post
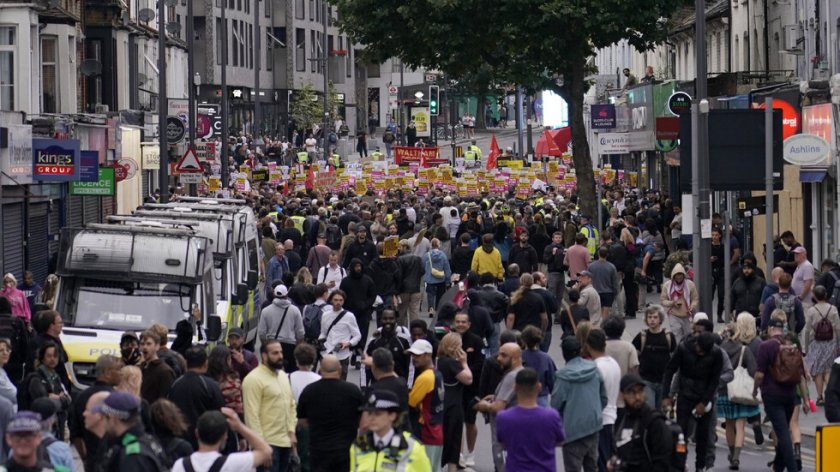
{"x":163,"y":105}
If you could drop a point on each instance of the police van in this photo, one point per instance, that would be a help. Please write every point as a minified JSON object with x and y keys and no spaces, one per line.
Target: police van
{"x":117,"y":278}
{"x":219,"y":230}
{"x":248,"y":267}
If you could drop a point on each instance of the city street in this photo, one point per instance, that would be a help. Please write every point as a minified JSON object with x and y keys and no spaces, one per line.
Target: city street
{"x":753,"y":457}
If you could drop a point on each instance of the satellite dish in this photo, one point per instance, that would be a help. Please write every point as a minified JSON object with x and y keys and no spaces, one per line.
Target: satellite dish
{"x":91,"y":67}
{"x":146,"y":15}
{"x":173,"y":27}
{"x":141,"y":78}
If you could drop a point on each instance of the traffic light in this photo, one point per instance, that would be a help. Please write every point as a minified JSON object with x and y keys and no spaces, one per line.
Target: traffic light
{"x":434,"y":99}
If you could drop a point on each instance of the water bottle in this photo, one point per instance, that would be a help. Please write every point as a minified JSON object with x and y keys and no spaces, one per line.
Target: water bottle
{"x":681,"y":447}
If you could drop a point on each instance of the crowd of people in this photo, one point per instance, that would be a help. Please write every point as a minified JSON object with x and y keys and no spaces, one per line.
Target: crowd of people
{"x":446,"y":308}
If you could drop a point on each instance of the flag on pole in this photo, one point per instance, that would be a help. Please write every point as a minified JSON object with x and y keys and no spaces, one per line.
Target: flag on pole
{"x":310,"y":178}
{"x":494,"y":154}
{"x":423,"y":162}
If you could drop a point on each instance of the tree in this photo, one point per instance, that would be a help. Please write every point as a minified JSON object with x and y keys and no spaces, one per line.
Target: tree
{"x":307,"y":109}
{"x":527,"y":42}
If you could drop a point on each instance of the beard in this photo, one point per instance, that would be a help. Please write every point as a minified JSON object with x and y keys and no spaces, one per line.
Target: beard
{"x":274,"y":365}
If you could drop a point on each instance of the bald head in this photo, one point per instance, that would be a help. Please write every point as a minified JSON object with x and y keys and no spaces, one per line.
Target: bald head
{"x":95,"y":422}
{"x":330,"y":367}
{"x":775,"y":274}
{"x":288,"y":244}
{"x":510,"y":356}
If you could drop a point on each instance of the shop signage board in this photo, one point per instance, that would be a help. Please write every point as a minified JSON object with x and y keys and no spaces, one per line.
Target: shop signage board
{"x":55,"y":160}
{"x":102,"y":187}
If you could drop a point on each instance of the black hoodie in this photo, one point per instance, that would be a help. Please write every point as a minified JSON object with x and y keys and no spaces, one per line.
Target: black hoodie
{"x":360,"y":290}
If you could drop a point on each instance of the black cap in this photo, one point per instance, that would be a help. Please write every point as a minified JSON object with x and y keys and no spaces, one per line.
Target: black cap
{"x":630,"y":380}
{"x":775,"y":323}
{"x":44,"y":407}
{"x":236,"y":332}
{"x":381,"y":400}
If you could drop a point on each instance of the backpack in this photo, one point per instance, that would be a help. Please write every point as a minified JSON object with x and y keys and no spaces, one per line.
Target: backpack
{"x":312,"y":321}
{"x":44,"y":454}
{"x":333,"y":138}
{"x":643,"y":340}
{"x":24,"y":398}
{"x":487,"y":225}
{"x":333,"y":233}
{"x":823,"y":331}
{"x":787,"y":367}
{"x":679,"y":449}
{"x":835,"y":292}
{"x":787,"y":305}
{"x":216,"y":466}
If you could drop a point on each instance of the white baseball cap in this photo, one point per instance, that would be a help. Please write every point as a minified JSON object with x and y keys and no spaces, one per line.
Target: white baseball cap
{"x":420,"y":347}
{"x":281,"y":291}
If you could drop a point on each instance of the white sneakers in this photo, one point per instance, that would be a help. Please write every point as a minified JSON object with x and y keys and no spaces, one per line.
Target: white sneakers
{"x":468,"y":459}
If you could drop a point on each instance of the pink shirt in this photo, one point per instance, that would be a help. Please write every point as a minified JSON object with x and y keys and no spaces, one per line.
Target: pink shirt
{"x":17,"y":299}
{"x":577,"y":258}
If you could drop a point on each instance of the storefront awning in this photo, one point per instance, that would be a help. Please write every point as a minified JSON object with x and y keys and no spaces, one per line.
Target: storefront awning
{"x":812,"y":176}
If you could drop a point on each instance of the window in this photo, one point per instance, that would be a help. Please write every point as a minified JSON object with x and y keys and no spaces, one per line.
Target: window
{"x":313,"y":50}
{"x":242,"y":38}
{"x":218,"y":41}
{"x":396,"y":65}
{"x":300,"y":50}
{"x":239,"y":5}
{"x":49,"y":71}
{"x":247,"y":6}
{"x":311,"y":10}
{"x":8,"y":41}
{"x":348,"y":65}
{"x":267,"y":8}
{"x":373,"y":70}
{"x":269,"y":51}
{"x":234,"y":40}
{"x":251,"y":46}
{"x":94,"y":51}
{"x":300,"y":6}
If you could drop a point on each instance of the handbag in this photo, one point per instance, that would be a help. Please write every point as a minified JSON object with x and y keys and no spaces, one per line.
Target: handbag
{"x":740,"y":389}
{"x":436,"y":273}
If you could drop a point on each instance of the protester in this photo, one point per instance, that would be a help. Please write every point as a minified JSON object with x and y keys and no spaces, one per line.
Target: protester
{"x":212,"y":430}
{"x":820,"y":339}
{"x":510,"y":360}
{"x":426,"y":400}
{"x":655,"y":346}
{"x":194,"y":392}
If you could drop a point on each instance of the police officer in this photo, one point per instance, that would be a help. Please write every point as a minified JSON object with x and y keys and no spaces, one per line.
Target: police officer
{"x":643,"y":440}
{"x":382,"y":447}
{"x":128,"y":447}
{"x":591,"y":233}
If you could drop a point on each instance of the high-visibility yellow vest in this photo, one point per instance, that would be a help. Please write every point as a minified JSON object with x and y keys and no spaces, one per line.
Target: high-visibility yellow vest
{"x":477,"y":151}
{"x":298,"y":220}
{"x":303,"y":156}
{"x":336,"y":160}
{"x":592,"y":238}
{"x":470,"y":156}
{"x":376,"y":155}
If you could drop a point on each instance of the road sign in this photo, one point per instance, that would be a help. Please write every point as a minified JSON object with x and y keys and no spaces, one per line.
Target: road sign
{"x":392,"y":90}
{"x":189,"y":163}
{"x":175,"y":129}
{"x":190,"y":178}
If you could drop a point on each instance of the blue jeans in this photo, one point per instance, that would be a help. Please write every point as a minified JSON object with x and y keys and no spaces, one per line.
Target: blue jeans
{"x":606,"y":447}
{"x":493,"y":341}
{"x":653,"y":394}
{"x":279,"y":460}
{"x":780,"y":409}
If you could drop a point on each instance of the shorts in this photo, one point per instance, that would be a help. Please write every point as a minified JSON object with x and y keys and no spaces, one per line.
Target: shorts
{"x":470,"y":415}
{"x":607,"y":299}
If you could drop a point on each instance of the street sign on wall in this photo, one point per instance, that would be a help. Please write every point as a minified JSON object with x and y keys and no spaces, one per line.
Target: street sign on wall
{"x":805,"y":149}
{"x":102,"y":187}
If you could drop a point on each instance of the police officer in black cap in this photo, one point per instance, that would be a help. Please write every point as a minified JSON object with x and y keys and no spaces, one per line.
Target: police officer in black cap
{"x":129,"y":448}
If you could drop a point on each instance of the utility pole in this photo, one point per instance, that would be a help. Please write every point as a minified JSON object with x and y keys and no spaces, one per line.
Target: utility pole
{"x":224,"y":151}
{"x":163,"y":106}
{"x":326,"y":58}
{"x":256,"y":124}
{"x":191,"y":77}
{"x":700,"y":154}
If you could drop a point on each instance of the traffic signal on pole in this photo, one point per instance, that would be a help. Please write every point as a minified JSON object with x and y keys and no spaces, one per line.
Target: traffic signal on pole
{"x":434,"y":99}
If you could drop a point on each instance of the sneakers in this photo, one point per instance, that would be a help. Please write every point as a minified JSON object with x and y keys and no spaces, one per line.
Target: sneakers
{"x":468,"y":459}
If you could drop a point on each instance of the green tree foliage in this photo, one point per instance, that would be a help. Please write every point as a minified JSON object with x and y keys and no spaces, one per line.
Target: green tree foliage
{"x":305,"y":108}
{"x":528,"y":42}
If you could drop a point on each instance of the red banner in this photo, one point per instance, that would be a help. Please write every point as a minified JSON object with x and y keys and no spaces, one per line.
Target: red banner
{"x":404,"y":155}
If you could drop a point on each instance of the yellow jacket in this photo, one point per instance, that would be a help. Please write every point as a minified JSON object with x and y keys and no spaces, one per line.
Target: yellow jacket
{"x":483,"y":262}
{"x":408,"y":456}
{"x":270,"y":408}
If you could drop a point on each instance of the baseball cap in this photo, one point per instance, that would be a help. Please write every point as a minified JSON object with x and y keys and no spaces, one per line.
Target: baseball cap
{"x":630,"y":380}
{"x":281,"y":291}
{"x":799,"y":250}
{"x":585,"y":273}
{"x":239,"y":332}
{"x":25,"y":422}
{"x":129,"y":335}
{"x":420,"y":347}
{"x":120,"y":405}
{"x":775,"y":323}
{"x":381,"y":400}
{"x":583,"y":215}
{"x":699,"y":316}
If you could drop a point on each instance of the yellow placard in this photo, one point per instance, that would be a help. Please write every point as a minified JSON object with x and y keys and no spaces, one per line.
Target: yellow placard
{"x":214,"y":184}
{"x":827,"y":453}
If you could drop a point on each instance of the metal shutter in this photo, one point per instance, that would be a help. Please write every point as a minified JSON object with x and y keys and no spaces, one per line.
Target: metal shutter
{"x":37,"y":244}
{"x":91,"y":209}
{"x":55,"y":225}
{"x":75,"y":212}
{"x":13,"y":239}
{"x":107,"y":207}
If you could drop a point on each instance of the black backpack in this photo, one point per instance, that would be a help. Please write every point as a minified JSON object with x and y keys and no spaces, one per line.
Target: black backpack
{"x":24,"y":397}
{"x":679,"y":448}
{"x":312,"y":322}
{"x":487,"y":223}
{"x":333,"y":233}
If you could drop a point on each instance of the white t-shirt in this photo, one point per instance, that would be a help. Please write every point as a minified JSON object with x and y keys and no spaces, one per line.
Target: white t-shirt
{"x":611,"y":373}
{"x":311,"y":144}
{"x":202,"y":461}
{"x":299,"y":381}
